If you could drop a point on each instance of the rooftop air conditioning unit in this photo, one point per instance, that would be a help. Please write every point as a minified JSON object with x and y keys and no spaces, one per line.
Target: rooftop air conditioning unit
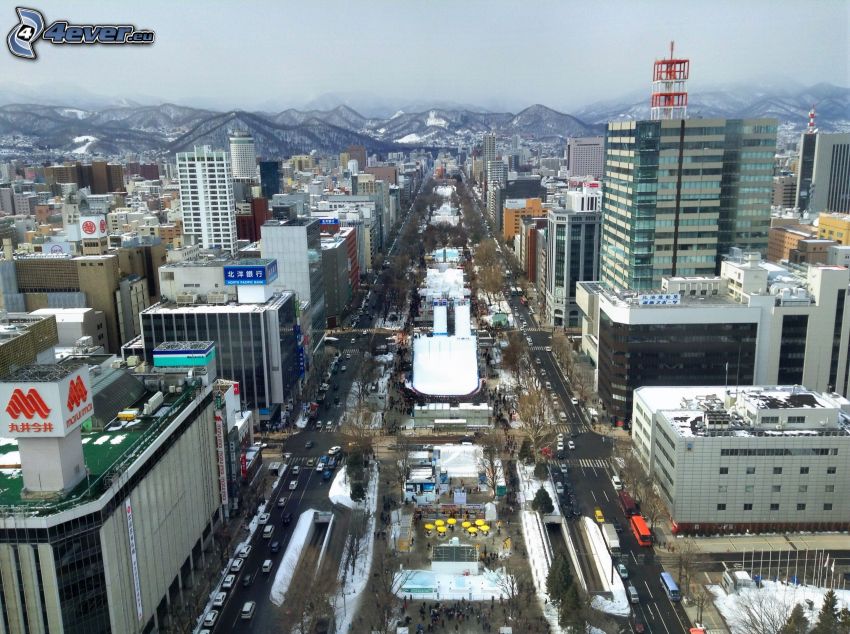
{"x":186,"y":298}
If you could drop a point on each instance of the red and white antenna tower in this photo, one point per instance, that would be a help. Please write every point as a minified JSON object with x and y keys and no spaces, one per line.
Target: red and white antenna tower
{"x":811,"y":129}
{"x":669,"y":91}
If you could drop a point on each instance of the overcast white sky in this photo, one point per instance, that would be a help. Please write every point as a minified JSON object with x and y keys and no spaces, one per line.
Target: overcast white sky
{"x":491,"y":53}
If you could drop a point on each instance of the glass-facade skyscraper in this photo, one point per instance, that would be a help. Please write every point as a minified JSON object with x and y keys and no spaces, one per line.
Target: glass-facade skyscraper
{"x":680,"y":193}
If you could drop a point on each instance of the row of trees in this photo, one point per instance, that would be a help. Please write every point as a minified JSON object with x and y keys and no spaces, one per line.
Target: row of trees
{"x":564,"y":593}
{"x":765,"y":613}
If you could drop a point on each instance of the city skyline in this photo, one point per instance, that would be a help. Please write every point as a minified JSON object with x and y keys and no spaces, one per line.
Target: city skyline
{"x":418,"y":49}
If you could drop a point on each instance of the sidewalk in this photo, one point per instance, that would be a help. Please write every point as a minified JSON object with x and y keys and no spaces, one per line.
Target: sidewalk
{"x":747,"y":544}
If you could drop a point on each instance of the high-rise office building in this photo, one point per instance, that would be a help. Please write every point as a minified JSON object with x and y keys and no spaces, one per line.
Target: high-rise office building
{"x":243,"y":156}
{"x":585,"y":156}
{"x":297,"y":246}
{"x":681,"y":193}
{"x":269,"y":178}
{"x":488,"y":155}
{"x":357,"y":153}
{"x":206,"y":196}
{"x":830,"y":172}
{"x":572,"y":254}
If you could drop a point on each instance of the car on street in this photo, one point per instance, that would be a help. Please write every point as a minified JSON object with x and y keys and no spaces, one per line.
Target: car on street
{"x":237,"y":564}
{"x":311,"y":462}
{"x":228,"y":582}
{"x":264,"y":518}
{"x":559,"y":488}
{"x":347,"y":356}
{"x":245,"y":551}
{"x":353,"y":340}
{"x":219,"y":599}
{"x":293,"y":485}
{"x":560,"y":439}
{"x":571,"y":445}
{"x":343,"y":368}
{"x":622,"y":571}
{"x":329,"y":425}
{"x":574,"y":400}
{"x":287,"y":519}
{"x":597,"y":513}
{"x":548,"y":348}
{"x":334,"y":450}
{"x":281,"y":501}
{"x":275,"y":547}
{"x":320,"y":465}
{"x":308,"y":444}
{"x":296,"y":470}
{"x":210,"y":618}
{"x":548,"y":384}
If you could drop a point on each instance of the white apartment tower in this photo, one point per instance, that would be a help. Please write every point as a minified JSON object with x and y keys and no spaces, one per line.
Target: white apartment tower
{"x":243,"y":156}
{"x":206,"y":198}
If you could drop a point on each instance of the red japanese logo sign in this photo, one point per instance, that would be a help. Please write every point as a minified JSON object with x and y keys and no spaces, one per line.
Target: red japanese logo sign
{"x":77,"y":393}
{"x":28,"y":404}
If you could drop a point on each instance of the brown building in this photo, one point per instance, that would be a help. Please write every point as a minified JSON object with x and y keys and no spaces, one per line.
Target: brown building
{"x":798,"y":244}
{"x":23,"y":338}
{"x":248,"y":224}
{"x":100,"y":178}
{"x":97,"y":276}
{"x":143,"y":261}
{"x":115,"y":177}
{"x":784,"y":191}
{"x":358,"y":153}
{"x":386,"y":173}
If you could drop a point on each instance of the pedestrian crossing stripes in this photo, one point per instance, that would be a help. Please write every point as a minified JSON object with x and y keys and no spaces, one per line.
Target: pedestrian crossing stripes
{"x":589,"y":463}
{"x":538,"y":348}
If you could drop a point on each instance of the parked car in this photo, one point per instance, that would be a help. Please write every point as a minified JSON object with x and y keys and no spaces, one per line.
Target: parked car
{"x":237,"y":564}
{"x":281,"y":501}
{"x":574,"y":400}
{"x":210,"y":618}
{"x":245,"y":551}
{"x":228,"y":582}
{"x":597,"y":513}
{"x":622,"y":571}
{"x":219,"y":599}
{"x":326,"y":475}
{"x":263,"y":519}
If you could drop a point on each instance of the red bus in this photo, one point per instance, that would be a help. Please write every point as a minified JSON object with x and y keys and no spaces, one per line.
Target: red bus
{"x":628,"y":504}
{"x":641,"y":531}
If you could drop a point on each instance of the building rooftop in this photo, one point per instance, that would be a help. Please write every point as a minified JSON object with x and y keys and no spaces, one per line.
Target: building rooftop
{"x":172,"y":307}
{"x":751,"y":411}
{"x":107,"y":453}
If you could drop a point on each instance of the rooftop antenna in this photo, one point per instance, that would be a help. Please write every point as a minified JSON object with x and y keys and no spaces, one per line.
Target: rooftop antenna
{"x":669,"y":91}
{"x":811,"y":129}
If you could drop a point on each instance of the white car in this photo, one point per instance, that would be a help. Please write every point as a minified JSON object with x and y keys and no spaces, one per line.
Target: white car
{"x":264,"y":518}
{"x":571,"y":445}
{"x":293,"y":485}
{"x":219,"y":599}
{"x":228,"y":582}
{"x":237,"y":564}
{"x":245,"y":551}
{"x":334,"y":450}
{"x":296,"y":470}
{"x":210,"y":618}
{"x":560,"y":439}
{"x":548,"y":348}
{"x":574,"y":400}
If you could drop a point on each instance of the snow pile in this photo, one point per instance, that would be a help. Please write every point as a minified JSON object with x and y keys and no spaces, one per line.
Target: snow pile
{"x":289,"y":563}
{"x":445,"y":365}
{"x":301,"y":423}
{"x":618,"y":605}
{"x":528,"y":486}
{"x":347,"y":599}
{"x":412,"y":138}
{"x":445,"y":191}
{"x":539,"y":557}
{"x":772,"y":597}
{"x":340,"y":491}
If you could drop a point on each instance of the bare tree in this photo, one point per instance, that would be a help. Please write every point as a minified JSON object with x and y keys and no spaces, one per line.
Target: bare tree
{"x":490,"y":464}
{"x":534,"y":412}
{"x":491,"y":280}
{"x":686,"y":555}
{"x":512,"y":355}
{"x":309,"y":597}
{"x":358,"y":428}
{"x":517,"y":587}
{"x":386,"y":582}
{"x":761,"y":613}
{"x":652,"y":508}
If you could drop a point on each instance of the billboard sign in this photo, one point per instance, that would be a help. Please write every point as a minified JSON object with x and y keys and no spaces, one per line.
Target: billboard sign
{"x":93,"y":227}
{"x":39,"y":409}
{"x":660,"y":299}
{"x":134,"y":558}
{"x":250,"y":274}
{"x":222,"y":458}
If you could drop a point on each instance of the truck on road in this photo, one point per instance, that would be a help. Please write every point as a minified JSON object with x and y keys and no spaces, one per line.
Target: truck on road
{"x":609,"y":533}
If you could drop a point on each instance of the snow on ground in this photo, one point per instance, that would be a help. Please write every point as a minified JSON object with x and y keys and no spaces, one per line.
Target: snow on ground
{"x":772,"y":595}
{"x":445,"y":191}
{"x":444,"y":586}
{"x":289,"y":563}
{"x":73,"y":112}
{"x":433,"y":119}
{"x":618,"y":605}
{"x":86,"y":141}
{"x":538,"y":555}
{"x":347,"y":600}
{"x":340,"y":491}
{"x":528,"y":486}
{"x":10,"y":459}
{"x":410,"y":138}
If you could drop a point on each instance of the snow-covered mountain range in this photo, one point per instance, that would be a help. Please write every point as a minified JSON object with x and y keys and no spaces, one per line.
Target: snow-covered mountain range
{"x":166,"y":128}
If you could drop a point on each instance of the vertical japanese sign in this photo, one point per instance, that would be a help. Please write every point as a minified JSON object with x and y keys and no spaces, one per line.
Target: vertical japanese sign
{"x":134,"y":559}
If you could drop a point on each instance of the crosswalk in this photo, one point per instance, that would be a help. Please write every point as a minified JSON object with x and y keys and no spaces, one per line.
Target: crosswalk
{"x":538,"y":348}
{"x":589,"y":463}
